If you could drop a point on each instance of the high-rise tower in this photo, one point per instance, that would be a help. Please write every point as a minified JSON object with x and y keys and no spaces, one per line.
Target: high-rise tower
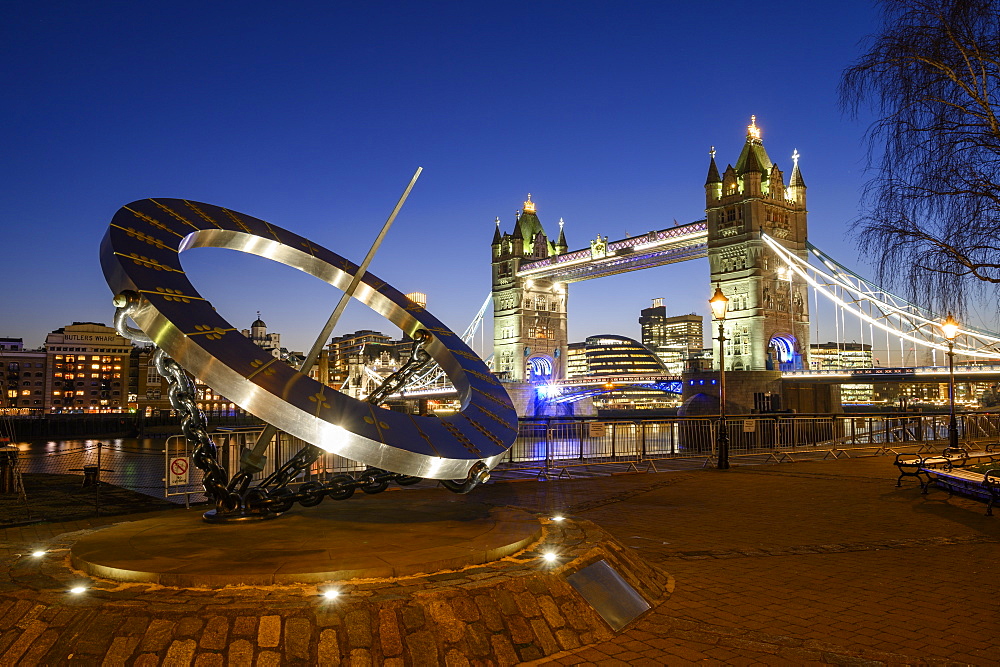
{"x":768,"y":323}
{"x":529,"y":316}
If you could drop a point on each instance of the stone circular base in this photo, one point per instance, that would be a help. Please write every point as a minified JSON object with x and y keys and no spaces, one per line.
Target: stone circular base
{"x":371,"y":538}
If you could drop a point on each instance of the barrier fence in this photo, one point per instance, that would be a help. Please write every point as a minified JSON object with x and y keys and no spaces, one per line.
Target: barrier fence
{"x":544,"y":448}
{"x":551,"y":446}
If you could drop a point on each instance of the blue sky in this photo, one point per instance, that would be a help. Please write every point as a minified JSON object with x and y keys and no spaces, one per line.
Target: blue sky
{"x":314,"y":116}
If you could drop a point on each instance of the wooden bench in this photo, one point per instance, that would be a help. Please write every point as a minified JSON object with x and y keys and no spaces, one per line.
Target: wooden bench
{"x":913,"y":465}
{"x":983,"y":486}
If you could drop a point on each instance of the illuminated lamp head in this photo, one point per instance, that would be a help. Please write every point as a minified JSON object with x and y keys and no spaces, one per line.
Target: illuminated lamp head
{"x":950,"y":327}
{"x":719,"y":303}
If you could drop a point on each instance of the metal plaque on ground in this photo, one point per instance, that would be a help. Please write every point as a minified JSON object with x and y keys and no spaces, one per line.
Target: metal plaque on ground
{"x":613,"y":598}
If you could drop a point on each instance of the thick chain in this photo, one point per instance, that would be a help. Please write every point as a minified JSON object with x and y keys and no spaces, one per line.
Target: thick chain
{"x":272,"y":494}
{"x":419,"y":357}
{"x":183,"y":394}
{"x":194,"y":425}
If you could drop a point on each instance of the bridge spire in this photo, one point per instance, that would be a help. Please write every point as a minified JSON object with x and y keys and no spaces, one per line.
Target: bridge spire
{"x":561,"y":245}
{"x":713,"y":170}
{"x":796,"y":179}
{"x":496,"y":233}
{"x":796,"y":184}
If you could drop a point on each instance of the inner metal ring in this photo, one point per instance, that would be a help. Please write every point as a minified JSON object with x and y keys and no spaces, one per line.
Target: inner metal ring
{"x":140,"y":252}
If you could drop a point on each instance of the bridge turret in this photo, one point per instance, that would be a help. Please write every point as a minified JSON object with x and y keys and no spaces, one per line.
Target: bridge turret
{"x":769,"y":319}
{"x":797,"y":185}
{"x":561,"y":246}
{"x":529,"y":314}
{"x":713,"y":182}
{"x":497,"y":241}
{"x":751,"y":175}
{"x":517,"y":240}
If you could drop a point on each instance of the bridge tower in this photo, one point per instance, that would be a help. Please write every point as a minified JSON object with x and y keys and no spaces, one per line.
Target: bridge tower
{"x":529,"y":316}
{"x":768,"y":322}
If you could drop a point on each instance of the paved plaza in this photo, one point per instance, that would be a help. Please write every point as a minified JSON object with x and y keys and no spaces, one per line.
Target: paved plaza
{"x":822,"y":562}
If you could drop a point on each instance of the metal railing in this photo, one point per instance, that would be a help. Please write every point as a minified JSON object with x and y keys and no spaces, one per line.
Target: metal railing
{"x":548,"y":447}
{"x":552,"y":445}
{"x":231,"y":442}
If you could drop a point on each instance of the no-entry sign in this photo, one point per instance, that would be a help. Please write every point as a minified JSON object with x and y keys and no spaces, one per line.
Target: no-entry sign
{"x":177,"y":471}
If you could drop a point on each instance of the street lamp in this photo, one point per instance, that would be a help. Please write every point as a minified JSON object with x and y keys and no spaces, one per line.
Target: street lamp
{"x":720,"y":304}
{"x":950,"y":329}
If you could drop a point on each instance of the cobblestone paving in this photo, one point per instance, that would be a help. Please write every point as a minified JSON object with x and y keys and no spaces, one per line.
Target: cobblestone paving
{"x":792,"y":564}
{"x":508,"y":611}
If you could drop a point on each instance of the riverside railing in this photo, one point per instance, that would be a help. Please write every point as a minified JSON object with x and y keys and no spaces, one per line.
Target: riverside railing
{"x":549,"y":445}
{"x":545,"y":447}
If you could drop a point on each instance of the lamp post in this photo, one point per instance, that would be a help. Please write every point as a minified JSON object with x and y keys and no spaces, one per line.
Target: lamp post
{"x":720,"y":304}
{"x":950,"y":329}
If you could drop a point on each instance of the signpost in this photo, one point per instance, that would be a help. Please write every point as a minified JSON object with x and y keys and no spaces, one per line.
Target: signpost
{"x":177,"y":471}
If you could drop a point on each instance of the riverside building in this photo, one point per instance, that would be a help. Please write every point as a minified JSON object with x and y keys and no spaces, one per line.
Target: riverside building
{"x":615,"y":356}
{"x":86,"y":369}
{"x":838,"y":356}
{"x":674,"y":339}
{"x":22,"y":378}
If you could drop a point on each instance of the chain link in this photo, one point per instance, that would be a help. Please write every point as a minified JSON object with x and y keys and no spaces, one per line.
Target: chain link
{"x":419,"y":357}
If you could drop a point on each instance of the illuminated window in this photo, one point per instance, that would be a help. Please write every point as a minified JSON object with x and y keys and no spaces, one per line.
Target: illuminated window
{"x":26,"y":392}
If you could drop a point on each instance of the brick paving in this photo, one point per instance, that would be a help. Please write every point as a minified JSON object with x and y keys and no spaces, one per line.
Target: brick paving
{"x":791,"y":564}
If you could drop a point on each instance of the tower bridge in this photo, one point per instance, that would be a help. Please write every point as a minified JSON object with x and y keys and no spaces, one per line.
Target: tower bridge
{"x":768,"y":324}
{"x":755,"y":238}
{"x":754,"y":235}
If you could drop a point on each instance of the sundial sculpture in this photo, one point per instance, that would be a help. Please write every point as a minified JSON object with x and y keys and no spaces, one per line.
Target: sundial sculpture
{"x":140,"y":258}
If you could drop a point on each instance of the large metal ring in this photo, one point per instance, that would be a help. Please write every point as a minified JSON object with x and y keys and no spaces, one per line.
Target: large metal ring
{"x":140,"y":252}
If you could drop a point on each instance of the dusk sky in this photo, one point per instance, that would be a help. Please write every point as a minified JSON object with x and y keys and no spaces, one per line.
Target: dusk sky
{"x":314,"y":115}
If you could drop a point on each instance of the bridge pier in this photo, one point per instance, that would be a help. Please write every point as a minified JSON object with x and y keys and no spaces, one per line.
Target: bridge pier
{"x":529,"y":403}
{"x":744,"y":389}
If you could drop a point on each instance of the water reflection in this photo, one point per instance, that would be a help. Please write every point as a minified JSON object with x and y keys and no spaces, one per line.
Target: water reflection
{"x":132,"y":463}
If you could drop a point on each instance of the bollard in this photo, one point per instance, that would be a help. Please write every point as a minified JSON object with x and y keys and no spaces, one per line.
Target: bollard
{"x":8,"y":468}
